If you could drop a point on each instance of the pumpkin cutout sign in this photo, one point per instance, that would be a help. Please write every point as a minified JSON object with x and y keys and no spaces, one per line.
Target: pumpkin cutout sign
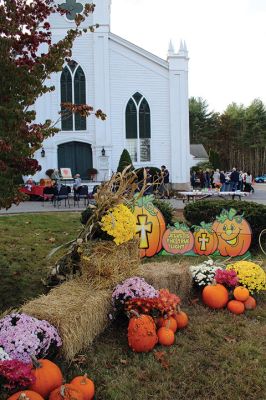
{"x":150,"y":226}
{"x":178,"y":239}
{"x":206,"y":240}
{"x":234,"y":233}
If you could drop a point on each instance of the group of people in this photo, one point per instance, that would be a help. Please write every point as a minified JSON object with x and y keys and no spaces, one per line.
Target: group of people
{"x":159,"y":183}
{"x":225,"y":181}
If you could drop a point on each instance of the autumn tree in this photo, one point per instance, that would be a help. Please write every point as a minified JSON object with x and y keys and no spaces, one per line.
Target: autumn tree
{"x":25,"y":71}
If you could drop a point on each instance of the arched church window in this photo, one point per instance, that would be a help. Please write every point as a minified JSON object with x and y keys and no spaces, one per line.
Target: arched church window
{"x":73,"y":90}
{"x":80,"y":97}
{"x":138,"y":128}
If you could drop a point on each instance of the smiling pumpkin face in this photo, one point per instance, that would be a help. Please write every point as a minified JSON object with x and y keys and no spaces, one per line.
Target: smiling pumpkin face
{"x":234,"y":233}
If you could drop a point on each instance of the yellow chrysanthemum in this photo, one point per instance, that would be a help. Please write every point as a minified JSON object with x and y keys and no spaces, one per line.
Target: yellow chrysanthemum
{"x":250,"y":275}
{"x":120,"y":223}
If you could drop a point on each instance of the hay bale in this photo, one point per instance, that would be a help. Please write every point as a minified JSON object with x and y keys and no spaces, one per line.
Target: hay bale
{"x":173,"y":276}
{"x":104,"y":264}
{"x":79,"y":313}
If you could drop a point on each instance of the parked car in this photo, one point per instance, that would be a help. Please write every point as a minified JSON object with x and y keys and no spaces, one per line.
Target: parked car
{"x":261,"y":179}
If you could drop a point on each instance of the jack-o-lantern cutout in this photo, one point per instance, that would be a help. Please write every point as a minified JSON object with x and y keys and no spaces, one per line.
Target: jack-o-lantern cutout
{"x":234,"y":233}
{"x":178,"y":239}
{"x":150,"y":226}
{"x":206,"y":240}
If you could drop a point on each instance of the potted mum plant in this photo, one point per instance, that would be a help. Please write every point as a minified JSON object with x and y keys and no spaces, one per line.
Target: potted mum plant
{"x":92,"y":172}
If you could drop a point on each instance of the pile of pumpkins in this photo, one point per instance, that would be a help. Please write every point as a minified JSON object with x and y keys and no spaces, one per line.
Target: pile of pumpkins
{"x":216,"y":296}
{"x":144,"y":332}
{"x":49,"y":385}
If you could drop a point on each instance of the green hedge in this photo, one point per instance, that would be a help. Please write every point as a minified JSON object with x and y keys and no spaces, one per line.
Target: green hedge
{"x":206,"y":211}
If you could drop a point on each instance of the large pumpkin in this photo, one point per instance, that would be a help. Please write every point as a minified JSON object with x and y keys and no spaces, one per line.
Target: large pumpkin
{"x":25,"y":395}
{"x":142,"y":333}
{"x":48,"y":377}
{"x":66,"y":392}
{"x":150,"y":226}
{"x":234,"y":233}
{"x":178,"y":239}
{"x":206,"y":240}
{"x":215,"y":296}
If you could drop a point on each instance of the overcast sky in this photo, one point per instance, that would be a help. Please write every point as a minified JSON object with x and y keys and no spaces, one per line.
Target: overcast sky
{"x":226,"y":40}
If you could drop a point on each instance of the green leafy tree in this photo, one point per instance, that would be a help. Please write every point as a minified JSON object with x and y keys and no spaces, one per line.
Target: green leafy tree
{"x":25,"y":69}
{"x":124,"y":161}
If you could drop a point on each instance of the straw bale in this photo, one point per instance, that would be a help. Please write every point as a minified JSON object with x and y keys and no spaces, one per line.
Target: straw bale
{"x":78,"y":311}
{"x":173,"y":276}
{"x":105,"y":264}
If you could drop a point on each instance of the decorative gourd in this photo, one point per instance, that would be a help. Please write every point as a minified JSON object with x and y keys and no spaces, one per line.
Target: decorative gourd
{"x":85,"y":385}
{"x":181,"y":319}
{"x":25,"y":395}
{"x":234,"y":233}
{"x":236,"y":306}
{"x":141,"y":333}
{"x":150,"y":226}
{"x":66,"y":392}
{"x":48,"y":376}
{"x":215,"y":296}
{"x":166,"y":336}
{"x":170,"y":323}
{"x":241,"y":293}
{"x":250,"y":303}
{"x":178,"y":239}
{"x":206,"y":240}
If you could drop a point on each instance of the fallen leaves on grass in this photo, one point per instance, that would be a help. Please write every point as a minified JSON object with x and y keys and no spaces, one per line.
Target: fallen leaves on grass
{"x":161,"y":357}
{"x":51,"y":240}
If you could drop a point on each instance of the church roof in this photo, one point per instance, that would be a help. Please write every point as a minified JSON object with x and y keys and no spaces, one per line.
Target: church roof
{"x":138,"y":50}
{"x":198,"y":151}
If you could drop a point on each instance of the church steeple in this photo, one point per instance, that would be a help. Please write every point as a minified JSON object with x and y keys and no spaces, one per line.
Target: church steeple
{"x":102,"y":14}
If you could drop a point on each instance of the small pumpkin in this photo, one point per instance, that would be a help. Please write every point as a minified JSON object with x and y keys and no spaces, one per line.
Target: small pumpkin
{"x":85,"y":385}
{"x":150,"y":226}
{"x":236,"y":306}
{"x":181,"y":319}
{"x":48,"y":376}
{"x":241,"y":293}
{"x":234,"y":233}
{"x":166,"y":336}
{"x":170,"y":323}
{"x":206,"y":240}
{"x":178,"y":239}
{"x":250,"y":303}
{"x":141,"y":333}
{"x":215,"y":296}
{"x":25,"y":395}
{"x":66,"y":392}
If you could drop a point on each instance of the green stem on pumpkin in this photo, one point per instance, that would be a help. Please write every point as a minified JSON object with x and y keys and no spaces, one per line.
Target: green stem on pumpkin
{"x":23,"y":396}
{"x":35,"y":362}
{"x":135,"y":313}
{"x":178,"y":309}
{"x":84,"y":379}
{"x":62,"y":391}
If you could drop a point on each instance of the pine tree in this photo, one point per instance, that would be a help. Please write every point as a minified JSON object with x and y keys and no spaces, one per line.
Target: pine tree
{"x":124,"y":161}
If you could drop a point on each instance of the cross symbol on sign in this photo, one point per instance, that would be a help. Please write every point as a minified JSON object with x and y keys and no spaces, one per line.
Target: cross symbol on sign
{"x":203,"y":239}
{"x":143,"y":228}
{"x":72,"y":8}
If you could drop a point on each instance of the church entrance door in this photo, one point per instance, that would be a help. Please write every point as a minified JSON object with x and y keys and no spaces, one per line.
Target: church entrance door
{"x":77,"y":156}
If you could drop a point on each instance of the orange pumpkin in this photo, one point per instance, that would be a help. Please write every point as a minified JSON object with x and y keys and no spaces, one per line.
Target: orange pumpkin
{"x":250,"y":303}
{"x":241,"y":293}
{"x":215,"y":296}
{"x":25,"y":395}
{"x":181,"y":319}
{"x":142,"y":333}
{"x":166,"y":336}
{"x":206,"y":240}
{"x":170,"y":323}
{"x":66,"y":392}
{"x":178,"y":239}
{"x":236,"y":306}
{"x":234,"y":233}
{"x":85,"y":385}
{"x":150,"y":226}
{"x":48,"y":376}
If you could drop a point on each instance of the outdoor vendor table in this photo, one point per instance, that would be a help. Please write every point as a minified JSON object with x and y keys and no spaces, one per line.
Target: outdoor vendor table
{"x":200,"y":195}
{"x":36,"y":190}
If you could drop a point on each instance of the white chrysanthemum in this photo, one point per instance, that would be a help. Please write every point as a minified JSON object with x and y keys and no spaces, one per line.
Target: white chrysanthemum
{"x":3,"y":355}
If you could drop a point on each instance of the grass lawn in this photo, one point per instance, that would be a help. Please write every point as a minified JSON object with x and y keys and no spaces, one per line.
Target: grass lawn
{"x":219,"y":356}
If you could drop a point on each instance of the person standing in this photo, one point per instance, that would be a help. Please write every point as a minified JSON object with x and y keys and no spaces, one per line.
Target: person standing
{"x":234,"y":177}
{"x":248,"y":184}
{"x":77,"y":183}
{"x":165,"y":185}
{"x":216,"y":178}
{"x":222,"y":181}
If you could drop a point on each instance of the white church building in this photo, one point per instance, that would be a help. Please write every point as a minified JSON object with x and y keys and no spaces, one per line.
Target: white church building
{"x":145,"y":99}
